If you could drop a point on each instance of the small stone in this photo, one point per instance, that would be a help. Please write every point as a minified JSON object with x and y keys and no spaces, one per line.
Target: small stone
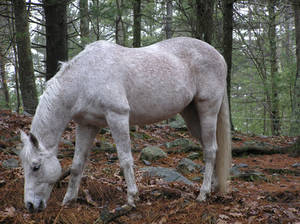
{"x":235,"y":172}
{"x":197,"y":179}
{"x":194,"y":155}
{"x":242,"y":165}
{"x":10,"y":163}
{"x":296,"y":165}
{"x":146,"y":162}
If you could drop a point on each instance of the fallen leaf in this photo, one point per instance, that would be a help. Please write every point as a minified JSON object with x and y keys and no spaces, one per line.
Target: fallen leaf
{"x":236,"y":214}
{"x":222,"y":216}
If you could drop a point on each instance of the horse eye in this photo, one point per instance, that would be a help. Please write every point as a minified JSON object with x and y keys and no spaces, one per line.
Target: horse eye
{"x":36,"y":167}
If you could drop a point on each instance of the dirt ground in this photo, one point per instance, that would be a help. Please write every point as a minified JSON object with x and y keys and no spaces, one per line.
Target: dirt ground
{"x":272,"y":199}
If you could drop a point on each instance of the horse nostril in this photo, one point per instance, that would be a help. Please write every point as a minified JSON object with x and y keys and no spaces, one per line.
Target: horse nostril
{"x":41,"y":206}
{"x":30,"y":207}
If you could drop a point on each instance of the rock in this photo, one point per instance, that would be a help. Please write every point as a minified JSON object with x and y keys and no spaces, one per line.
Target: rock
{"x":167,"y":174}
{"x":184,"y":144}
{"x":140,"y":135}
{"x":296,"y":165}
{"x":147,"y":163}
{"x":10,"y":163}
{"x":186,"y":166}
{"x":197,"y":179}
{"x":105,"y":146}
{"x":194,"y":155}
{"x":263,"y":145}
{"x":235,"y":172}
{"x":152,"y":153}
{"x":178,"y":124}
{"x":252,"y":176}
{"x":242,"y":165}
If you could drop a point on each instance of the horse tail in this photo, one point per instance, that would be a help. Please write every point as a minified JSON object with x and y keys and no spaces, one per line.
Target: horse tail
{"x":223,"y":157}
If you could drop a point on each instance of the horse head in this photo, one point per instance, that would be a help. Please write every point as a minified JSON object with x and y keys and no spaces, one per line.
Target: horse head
{"x":41,"y":170}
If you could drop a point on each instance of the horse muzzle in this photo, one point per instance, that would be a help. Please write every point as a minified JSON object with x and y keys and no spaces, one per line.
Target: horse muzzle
{"x":35,"y":207}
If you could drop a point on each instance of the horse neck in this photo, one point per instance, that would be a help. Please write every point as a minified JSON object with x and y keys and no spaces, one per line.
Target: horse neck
{"x":50,"y":120}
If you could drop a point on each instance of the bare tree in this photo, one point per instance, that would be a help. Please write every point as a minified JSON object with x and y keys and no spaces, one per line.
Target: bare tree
{"x":84,"y":22}
{"x":204,"y":20}
{"x":137,"y":23}
{"x":56,"y":34}
{"x":3,"y":79}
{"x":168,"y":28}
{"x":120,"y":26}
{"x":27,"y":80}
{"x":275,"y":117}
{"x":227,"y":45}
{"x":295,"y":126}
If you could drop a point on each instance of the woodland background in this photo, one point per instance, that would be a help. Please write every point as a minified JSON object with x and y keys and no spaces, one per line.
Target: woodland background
{"x":260,"y":41}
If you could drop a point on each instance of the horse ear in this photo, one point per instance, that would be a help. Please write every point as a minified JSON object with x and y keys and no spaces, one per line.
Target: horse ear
{"x":24,"y":136}
{"x":34,"y":140}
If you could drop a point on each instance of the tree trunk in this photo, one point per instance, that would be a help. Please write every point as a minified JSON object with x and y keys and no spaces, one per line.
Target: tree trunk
{"x":169,"y":16}
{"x":3,"y":80}
{"x":56,"y":35}
{"x":275,"y":117}
{"x":27,"y":80}
{"x":204,"y":20}
{"x":84,"y":22}
{"x":136,"y":23}
{"x":120,"y":27}
{"x":227,"y":46}
{"x":295,"y":126}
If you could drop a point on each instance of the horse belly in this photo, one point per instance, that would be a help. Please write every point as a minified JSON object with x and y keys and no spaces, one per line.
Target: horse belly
{"x":162,"y":101}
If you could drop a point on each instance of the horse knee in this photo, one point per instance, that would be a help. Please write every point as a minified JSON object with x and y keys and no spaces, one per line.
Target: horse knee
{"x":210,"y":155}
{"x":126,"y":163}
{"x":76,"y":169}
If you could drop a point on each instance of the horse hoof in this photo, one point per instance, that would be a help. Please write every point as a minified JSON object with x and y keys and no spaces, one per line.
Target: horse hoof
{"x":201,"y":197}
{"x":132,"y":199}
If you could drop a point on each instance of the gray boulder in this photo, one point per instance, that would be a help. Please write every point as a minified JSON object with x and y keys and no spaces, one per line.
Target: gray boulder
{"x":167,"y":174}
{"x":151,"y":153}
{"x":186,"y":166}
{"x":185,"y":145}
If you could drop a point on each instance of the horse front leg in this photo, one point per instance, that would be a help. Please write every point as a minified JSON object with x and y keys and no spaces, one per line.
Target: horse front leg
{"x":119,"y":126}
{"x":84,"y":139}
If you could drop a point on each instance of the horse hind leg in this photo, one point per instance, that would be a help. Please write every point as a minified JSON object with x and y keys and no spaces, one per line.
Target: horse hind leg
{"x":191,"y":117}
{"x":84,"y":139}
{"x":208,"y":112}
{"x":201,"y":118}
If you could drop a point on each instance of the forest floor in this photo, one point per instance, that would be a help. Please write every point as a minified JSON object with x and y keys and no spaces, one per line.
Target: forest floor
{"x":274,"y":198}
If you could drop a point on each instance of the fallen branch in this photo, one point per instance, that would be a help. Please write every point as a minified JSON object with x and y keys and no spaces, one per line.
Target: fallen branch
{"x":169,"y":192}
{"x":238,"y":152}
{"x":107,"y":217}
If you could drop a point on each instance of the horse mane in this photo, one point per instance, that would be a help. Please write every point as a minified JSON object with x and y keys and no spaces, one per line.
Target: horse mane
{"x":48,"y":103}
